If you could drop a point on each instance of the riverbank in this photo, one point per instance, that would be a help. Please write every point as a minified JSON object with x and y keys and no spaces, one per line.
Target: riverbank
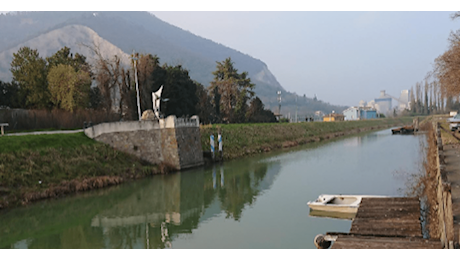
{"x":241,"y":140}
{"x":441,"y":180}
{"x":35,"y":167}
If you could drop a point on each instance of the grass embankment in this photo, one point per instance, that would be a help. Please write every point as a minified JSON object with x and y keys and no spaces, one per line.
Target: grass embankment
{"x":34,"y":167}
{"x":244,"y":139}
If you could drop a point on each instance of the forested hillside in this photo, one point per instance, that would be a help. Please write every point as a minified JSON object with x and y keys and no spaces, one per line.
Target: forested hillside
{"x":144,"y":33}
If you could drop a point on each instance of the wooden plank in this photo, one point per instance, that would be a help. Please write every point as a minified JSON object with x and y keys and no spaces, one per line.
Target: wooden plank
{"x":388,"y":231}
{"x":386,"y":223}
{"x":383,"y":214}
{"x":378,"y":226}
{"x":408,"y":215}
{"x":380,"y":204}
{"x":370,"y":203}
{"x":388,"y":217}
{"x":389,"y":207}
{"x":377,"y":203}
{"x":363,"y":221}
{"x":352,"y":241}
{"x":388,"y":211}
{"x":389,"y":199}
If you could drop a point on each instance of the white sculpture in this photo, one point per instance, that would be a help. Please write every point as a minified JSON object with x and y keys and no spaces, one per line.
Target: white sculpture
{"x":156,"y":97}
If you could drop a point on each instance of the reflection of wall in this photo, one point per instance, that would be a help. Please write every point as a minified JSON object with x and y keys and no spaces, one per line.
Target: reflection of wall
{"x":151,"y":216}
{"x":170,"y":200}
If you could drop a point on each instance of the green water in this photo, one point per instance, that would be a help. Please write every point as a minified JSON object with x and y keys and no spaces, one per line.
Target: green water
{"x":256,"y":202}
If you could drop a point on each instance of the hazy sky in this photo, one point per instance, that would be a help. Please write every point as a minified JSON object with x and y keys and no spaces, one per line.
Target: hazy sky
{"x":342,"y":57}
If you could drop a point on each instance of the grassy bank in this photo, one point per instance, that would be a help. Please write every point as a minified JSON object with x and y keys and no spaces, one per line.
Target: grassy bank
{"x":34,"y":167}
{"x":44,"y":166}
{"x":244,"y":139}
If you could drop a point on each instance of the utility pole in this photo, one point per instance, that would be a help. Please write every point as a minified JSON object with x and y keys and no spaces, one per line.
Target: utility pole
{"x":137,"y":85}
{"x":296,"y":108}
{"x":279,"y":103}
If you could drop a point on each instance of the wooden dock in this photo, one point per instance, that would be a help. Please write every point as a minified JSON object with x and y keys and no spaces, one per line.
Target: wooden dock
{"x":385,"y":223}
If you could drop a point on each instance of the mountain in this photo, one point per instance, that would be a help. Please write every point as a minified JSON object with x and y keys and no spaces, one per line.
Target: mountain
{"x":122,"y":32}
{"x":73,"y":36}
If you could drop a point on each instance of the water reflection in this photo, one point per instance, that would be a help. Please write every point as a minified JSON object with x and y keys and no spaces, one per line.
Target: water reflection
{"x":357,"y":141}
{"x":143,"y":214}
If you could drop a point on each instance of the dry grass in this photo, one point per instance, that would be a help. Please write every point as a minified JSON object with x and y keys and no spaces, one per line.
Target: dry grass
{"x":424,"y":186}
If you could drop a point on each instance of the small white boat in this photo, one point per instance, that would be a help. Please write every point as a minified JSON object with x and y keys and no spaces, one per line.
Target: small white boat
{"x":339,"y":203}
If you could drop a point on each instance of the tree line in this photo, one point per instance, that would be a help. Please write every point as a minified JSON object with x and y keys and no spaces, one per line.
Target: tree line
{"x":68,"y":82}
{"x":427,"y":99}
{"x":440,"y":91}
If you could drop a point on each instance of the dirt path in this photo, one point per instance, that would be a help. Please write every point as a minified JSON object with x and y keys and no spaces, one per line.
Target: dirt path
{"x":47,"y":132}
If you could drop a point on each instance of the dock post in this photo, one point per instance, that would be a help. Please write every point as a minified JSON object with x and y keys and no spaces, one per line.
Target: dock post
{"x":415,"y":124}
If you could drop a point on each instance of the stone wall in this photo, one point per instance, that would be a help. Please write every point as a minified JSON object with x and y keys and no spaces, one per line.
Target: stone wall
{"x":141,"y":143}
{"x":444,"y":195}
{"x":189,"y":146}
{"x":169,"y":147}
{"x":176,"y":142}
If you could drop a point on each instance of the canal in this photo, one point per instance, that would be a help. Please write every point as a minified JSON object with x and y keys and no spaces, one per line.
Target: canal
{"x":256,"y":202}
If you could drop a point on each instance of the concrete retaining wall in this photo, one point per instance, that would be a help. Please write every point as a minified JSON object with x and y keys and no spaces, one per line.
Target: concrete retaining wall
{"x":444,"y":195}
{"x":173,"y":141}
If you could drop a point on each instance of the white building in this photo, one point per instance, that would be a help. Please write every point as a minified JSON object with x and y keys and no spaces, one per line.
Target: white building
{"x":404,"y":100}
{"x":351,"y":113}
{"x":359,"y":113}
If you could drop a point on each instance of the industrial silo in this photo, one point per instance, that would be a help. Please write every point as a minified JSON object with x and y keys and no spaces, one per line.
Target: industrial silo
{"x":383,"y":103}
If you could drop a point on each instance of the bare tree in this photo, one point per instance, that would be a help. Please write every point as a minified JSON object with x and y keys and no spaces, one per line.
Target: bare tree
{"x":455,"y":15}
{"x":112,"y":81}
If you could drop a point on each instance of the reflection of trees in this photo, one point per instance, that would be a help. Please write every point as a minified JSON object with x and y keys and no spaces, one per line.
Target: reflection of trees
{"x":241,"y":189}
{"x":126,"y":237}
{"x":259,"y":173}
{"x":146,"y":214}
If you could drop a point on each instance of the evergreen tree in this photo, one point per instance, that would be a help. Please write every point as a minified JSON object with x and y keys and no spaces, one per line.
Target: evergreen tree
{"x":258,"y":114}
{"x":29,"y":72}
{"x":230,"y":92}
{"x":63,"y":56}
{"x":180,"y":91}
{"x":203,"y":107}
{"x":9,"y":95}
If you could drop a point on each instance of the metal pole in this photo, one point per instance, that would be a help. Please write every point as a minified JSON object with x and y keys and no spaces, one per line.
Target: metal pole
{"x":137,"y":86}
{"x":279,"y":104}
{"x":296,"y":108}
